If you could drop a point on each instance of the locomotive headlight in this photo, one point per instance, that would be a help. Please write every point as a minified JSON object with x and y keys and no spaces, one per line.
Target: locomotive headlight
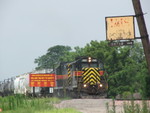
{"x":101,"y":85}
{"x":84,"y":85}
{"x":89,"y":59}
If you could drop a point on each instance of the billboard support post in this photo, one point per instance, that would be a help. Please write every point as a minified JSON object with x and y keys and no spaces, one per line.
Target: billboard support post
{"x":33,"y":91}
{"x":143,"y":31}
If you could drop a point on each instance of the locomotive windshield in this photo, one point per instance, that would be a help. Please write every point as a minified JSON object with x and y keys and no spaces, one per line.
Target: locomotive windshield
{"x":88,"y":62}
{"x":85,"y":65}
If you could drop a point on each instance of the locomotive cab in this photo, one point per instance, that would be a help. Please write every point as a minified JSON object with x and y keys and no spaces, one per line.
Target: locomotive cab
{"x":92,"y":80}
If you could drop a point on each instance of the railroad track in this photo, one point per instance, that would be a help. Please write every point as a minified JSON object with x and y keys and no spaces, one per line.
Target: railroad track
{"x":86,"y":96}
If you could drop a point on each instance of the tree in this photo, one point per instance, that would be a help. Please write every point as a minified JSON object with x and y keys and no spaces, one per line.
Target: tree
{"x":71,"y":55}
{"x":53,"y":57}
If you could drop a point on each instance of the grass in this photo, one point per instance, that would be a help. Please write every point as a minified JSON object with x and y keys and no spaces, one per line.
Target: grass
{"x":130,"y":107}
{"x":64,"y":110}
{"x":136,"y":108}
{"x":22,"y":104}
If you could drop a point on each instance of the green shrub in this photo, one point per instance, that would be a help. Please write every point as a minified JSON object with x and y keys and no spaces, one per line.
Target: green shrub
{"x":127,"y":95}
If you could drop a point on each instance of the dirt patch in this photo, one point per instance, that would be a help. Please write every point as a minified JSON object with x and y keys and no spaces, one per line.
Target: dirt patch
{"x":85,"y":105}
{"x":95,"y":105}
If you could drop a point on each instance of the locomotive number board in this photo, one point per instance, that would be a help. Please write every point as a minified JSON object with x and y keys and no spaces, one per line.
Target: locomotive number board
{"x":42,"y":80}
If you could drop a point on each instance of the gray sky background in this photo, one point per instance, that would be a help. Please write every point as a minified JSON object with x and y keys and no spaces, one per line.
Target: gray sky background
{"x":29,"y":27}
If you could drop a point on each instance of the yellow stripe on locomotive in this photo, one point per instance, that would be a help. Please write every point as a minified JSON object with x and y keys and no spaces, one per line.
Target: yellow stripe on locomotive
{"x":91,"y":76}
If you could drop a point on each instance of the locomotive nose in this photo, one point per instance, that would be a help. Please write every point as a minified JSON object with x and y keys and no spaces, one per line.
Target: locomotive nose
{"x":91,"y":76}
{"x":94,"y":89}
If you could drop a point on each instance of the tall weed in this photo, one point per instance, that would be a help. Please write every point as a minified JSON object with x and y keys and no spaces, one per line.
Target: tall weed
{"x":130,"y":107}
{"x":22,"y":104}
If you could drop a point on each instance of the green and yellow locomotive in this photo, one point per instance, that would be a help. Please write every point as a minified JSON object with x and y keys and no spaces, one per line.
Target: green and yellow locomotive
{"x":84,"y":76}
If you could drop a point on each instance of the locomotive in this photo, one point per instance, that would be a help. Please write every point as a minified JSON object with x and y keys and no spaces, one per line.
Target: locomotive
{"x":84,"y":76}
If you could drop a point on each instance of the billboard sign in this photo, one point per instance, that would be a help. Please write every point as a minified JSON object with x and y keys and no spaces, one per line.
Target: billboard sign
{"x":120,"y":28}
{"x":42,"y":80}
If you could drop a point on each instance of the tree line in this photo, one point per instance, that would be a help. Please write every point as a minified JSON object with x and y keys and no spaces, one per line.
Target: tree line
{"x":125,"y":67}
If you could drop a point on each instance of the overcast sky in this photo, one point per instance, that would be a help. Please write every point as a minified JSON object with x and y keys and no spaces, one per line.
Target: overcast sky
{"x":29,"y":27}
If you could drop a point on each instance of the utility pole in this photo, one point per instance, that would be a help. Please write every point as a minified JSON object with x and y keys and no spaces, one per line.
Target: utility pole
{"x":143,"y":31}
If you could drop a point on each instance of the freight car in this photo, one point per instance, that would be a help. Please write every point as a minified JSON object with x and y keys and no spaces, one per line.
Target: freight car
{"x":1,"y":88}
{"x":6,"y":87}
{"x":16,"y":85}
{"x":20,"y":85}
{"x":84,"y":76}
